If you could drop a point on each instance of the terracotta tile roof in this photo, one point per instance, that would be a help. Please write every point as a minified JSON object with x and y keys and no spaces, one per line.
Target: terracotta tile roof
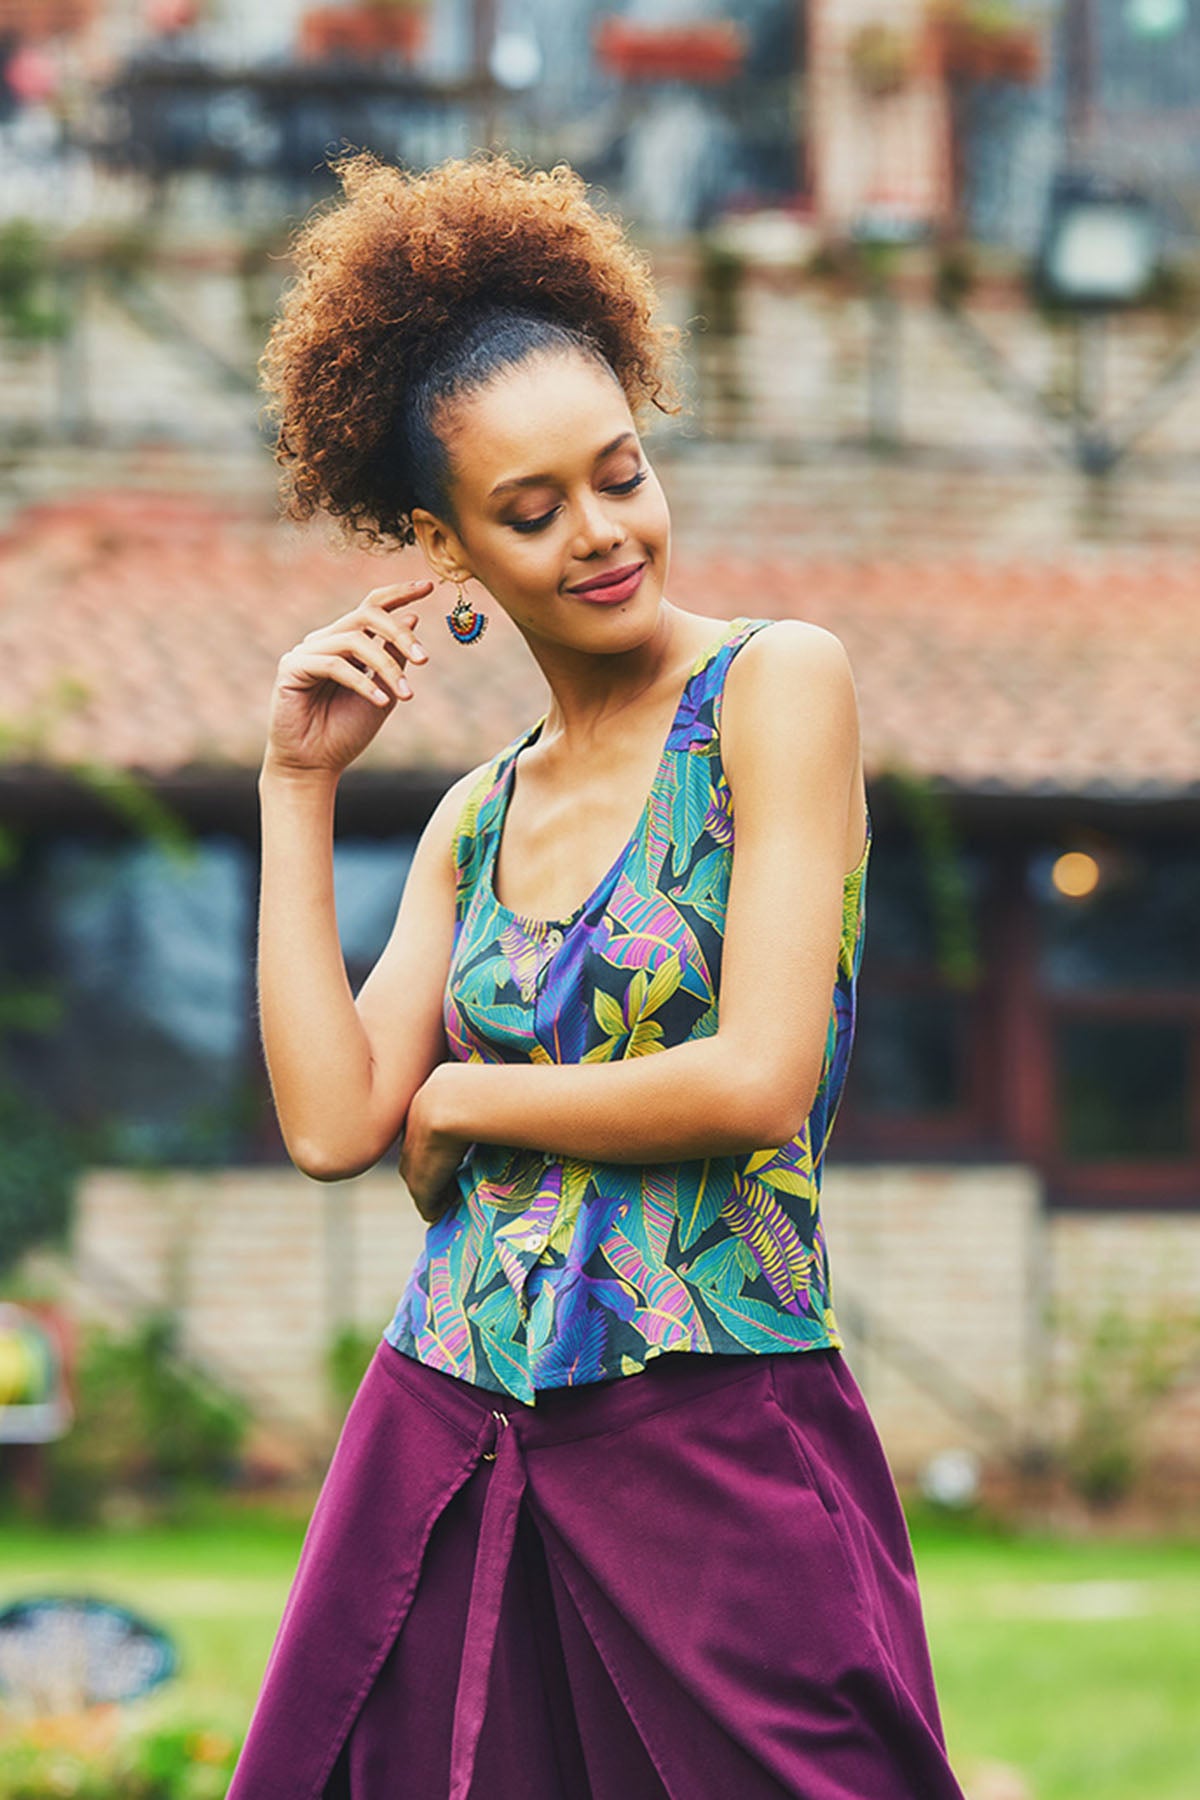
{"x":142,"y":630}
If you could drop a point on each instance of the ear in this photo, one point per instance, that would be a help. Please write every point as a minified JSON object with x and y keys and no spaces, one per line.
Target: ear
{"x":441,"y":546}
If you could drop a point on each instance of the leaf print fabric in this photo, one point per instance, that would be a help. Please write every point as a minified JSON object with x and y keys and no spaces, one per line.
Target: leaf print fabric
{"x":549,"y":1271}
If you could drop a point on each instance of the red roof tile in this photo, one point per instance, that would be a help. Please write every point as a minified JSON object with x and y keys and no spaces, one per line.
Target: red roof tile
{"x":143,"y":630}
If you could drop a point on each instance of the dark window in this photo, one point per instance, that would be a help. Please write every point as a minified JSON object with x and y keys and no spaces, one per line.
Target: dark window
{"x":910,"y":1053}
{"x":146,"y":953}
{"x":368,"y":879}
{"x":914,"y":1083}
{"x":1139,"y":928}
{"x":1119,"y":971}
{"x":1122,"y":1087}
{"x":148,"y":957}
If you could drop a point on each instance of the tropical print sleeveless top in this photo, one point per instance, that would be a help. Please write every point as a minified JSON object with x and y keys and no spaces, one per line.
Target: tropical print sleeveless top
{"x":550,"y":1271}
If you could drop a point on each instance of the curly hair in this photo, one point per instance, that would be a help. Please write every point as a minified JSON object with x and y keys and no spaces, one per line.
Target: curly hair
{"x":416,"y":288}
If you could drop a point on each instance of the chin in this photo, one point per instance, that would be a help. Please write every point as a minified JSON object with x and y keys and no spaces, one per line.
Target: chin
{"x":628,"y":625}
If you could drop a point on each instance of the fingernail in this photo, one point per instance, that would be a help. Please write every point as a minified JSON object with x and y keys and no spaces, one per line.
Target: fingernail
{"x":419,"y":654}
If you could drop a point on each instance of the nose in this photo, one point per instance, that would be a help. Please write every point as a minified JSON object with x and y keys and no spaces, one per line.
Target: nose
{"x":597,"y":531}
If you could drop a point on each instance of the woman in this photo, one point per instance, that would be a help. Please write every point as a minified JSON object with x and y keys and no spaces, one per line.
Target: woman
{"x":608,"y":1516}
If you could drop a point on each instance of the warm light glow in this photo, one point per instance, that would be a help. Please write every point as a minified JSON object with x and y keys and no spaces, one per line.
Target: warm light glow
{"x":1075,"y":873}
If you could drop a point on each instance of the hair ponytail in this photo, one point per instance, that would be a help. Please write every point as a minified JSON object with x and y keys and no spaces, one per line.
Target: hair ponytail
{"x":415,"y":288}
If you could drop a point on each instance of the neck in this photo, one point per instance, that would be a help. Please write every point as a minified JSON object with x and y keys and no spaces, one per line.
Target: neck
{"x":589,"y":691}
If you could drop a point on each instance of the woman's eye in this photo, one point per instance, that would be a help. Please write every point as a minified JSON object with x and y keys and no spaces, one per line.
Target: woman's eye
{"x":543,"y":519}
{"x":533,"y":524}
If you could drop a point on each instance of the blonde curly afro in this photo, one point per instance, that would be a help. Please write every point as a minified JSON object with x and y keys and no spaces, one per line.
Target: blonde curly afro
{"x":415,"y":288}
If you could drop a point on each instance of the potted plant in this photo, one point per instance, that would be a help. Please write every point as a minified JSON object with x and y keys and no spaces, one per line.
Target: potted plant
{"x":987,"y":40}
{"x":364,"y":30}
{"x":710,"y":51}
{"x":881,"y":60}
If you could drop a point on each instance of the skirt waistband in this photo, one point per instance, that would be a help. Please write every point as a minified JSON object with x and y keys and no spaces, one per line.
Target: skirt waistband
{"x":565,"y":1414}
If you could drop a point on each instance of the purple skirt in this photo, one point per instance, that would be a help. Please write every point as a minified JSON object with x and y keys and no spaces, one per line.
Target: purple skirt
{"x":691,"y":1583}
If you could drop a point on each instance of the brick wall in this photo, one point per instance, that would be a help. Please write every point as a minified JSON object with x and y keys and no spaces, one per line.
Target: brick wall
{"x":936,"y":1282}
{"x":1146,"y":1267}
{"x":262,"y":1266}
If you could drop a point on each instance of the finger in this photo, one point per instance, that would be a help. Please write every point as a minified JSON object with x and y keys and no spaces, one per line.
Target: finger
{"x":399,"y":593}
{"x":369,"y":651}
{"x":315,"y":666}
{"x":397,"y":632}
{"x":431,"y":1206}
{"x":401,"y":638}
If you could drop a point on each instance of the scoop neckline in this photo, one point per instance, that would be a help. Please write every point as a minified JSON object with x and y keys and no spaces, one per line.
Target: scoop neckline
{"x":506,"y":789}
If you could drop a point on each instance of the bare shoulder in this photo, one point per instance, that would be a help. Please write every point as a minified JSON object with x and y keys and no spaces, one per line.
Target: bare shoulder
{"x":459,"y":792}
{"x":788,"y":651}
{"x":444,"y":822}
{"x":790,"y":735}
{"x":434,"y":854}
{"x":791,"y":679}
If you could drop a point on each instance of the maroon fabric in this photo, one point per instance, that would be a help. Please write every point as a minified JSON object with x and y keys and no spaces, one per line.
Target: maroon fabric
{"x":686,"y":1584}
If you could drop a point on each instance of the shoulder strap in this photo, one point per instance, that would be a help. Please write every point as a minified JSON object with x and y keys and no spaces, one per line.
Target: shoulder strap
{"x":475,"y":821}
{"x":721,"y":661}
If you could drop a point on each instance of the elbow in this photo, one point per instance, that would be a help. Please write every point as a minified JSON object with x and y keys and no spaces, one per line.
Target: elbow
{"x":322,"y":1162}
{"x":775,"y":1107}
{"x":337,"y":1156}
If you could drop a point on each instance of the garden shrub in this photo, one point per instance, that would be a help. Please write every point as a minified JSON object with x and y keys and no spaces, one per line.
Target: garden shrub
{"x":38,"y":1172}
{"x":146,"y":1423}
{"x":91,"y":1756}
{"x":1124,"y":1363}
{"x":350,"y":1350}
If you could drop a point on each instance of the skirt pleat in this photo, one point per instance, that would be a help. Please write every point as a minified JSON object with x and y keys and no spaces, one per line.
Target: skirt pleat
{"x":692,"y":1583}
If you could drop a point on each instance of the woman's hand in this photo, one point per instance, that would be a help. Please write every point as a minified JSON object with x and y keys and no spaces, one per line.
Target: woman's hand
{"x":336,"y":687}
{"x":429,"y":1155}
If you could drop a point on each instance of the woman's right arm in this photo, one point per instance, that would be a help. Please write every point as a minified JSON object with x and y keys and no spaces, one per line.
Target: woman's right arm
{"x":343,"y":1070}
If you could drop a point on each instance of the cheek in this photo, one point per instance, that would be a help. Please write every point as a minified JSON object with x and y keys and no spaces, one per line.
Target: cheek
{"x":522,"y":565}
{"x":652,"y":520}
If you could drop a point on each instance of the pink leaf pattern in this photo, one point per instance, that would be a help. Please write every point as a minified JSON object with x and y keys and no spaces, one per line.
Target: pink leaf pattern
{"x":659,"y":1199}
{"x":669,"y":1316}
{"x":444,"y":1339}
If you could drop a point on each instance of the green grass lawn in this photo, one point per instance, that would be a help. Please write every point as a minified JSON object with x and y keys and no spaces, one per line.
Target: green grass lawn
{"x":1077,"y":1663}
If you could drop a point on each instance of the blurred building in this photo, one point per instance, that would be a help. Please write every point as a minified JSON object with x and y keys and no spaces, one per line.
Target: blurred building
{"x":1021,"y":1127}
{"x":867,"y":115}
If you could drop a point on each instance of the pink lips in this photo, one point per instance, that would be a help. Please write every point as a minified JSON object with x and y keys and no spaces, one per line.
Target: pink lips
{"x":616,"y":585}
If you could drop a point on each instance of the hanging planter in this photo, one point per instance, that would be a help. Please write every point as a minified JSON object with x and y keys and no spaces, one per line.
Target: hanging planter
{"x":368,"y":29}
{"x":167,"y":18}
{"x":881,"y":60}
{"x":707,"y":53}
{"x":987,"y":40}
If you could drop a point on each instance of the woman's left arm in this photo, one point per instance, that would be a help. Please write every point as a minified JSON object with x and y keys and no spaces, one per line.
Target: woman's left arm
{"x":790,"y":746}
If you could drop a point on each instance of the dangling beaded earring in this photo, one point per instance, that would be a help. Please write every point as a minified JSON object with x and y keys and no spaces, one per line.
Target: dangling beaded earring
{"x":466,"y":625}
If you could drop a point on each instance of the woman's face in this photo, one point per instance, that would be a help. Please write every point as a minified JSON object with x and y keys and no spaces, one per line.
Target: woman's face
{"x":558,"y":513}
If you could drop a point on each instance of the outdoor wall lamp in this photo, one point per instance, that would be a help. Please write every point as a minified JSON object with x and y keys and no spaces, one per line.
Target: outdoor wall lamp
{"x":1100,"y":253}
{"x":1101,"y":243}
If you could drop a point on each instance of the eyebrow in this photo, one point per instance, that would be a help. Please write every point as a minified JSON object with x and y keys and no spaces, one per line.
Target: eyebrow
{"x":524,"y":481}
